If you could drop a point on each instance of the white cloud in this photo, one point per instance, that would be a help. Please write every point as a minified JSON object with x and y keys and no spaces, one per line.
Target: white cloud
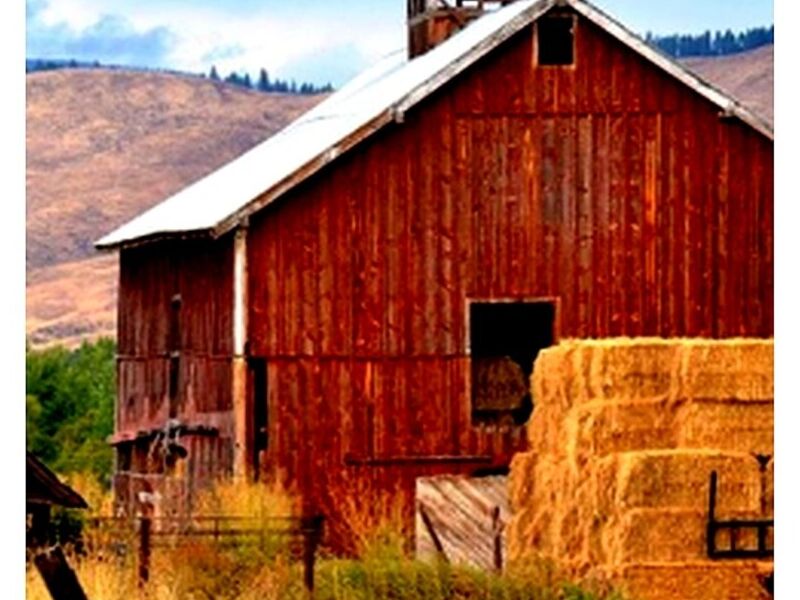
{"x":270,"y":35}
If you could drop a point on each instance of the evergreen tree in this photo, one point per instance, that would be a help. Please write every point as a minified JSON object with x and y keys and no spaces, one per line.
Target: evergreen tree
{"x":263,"y":81}
{"x":213,"y":75}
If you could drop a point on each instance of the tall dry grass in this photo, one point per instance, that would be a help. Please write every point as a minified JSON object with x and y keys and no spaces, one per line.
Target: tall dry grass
{"x":382,"y":568}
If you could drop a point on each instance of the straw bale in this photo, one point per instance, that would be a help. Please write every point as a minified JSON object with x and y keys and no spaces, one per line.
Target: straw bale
{"x":770,"y":487}
{"x":612,"y":427}
{"x":578,"y":372}
{"x":545,"y":428}
{"x":520,"y":479}
{"x":680,"y":479}
{"x":704,"y":580}
{"x":726,"y":424}
{"x":659,"y":535}
{"x":623,"y":438}
{"x":575,"y":372}
{"x":499,"y":383}
{"x":737,"y":369}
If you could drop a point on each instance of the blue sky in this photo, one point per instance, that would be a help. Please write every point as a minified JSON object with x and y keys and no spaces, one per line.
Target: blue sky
{"x":312,"y":40}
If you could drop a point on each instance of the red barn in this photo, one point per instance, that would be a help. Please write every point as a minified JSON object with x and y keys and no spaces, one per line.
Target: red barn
{"x":358,"y":301}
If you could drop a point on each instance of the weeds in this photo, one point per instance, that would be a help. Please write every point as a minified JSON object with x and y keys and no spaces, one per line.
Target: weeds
{"x":226,"y":569}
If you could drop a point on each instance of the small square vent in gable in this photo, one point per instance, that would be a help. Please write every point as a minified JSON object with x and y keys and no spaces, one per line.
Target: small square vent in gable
{"x":555,"y":40}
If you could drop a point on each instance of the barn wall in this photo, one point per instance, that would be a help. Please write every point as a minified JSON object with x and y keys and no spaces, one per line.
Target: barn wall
{"x":607,"y":185}
{"x":150,"y":276}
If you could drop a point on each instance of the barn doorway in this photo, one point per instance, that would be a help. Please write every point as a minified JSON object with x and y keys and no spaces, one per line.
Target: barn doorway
{"x":505,"y":337}
{"x":258,"y":411}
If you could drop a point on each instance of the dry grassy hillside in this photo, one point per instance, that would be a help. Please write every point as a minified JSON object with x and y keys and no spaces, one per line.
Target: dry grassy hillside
{"x":104,"y":145}
{"x":101,"y":147}
{"x":748,"y":76}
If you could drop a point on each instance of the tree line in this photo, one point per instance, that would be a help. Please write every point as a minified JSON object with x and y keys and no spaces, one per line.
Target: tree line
{"x":265,"y":84}
{"x":262,"y":84}
{"x":718,"y":44}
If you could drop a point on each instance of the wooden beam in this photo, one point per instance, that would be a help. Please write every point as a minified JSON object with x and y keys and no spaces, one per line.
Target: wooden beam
{"x":239,"y":362}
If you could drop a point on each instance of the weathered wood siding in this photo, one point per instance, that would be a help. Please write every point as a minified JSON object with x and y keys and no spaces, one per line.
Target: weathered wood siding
{"x":150,"y":277}
{"x":607,"y":185}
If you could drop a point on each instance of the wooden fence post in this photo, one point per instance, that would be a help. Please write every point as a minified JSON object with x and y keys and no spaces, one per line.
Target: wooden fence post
{"x":497,"y":530}
{"x":144,"y":549}
{"x":312,"y":534}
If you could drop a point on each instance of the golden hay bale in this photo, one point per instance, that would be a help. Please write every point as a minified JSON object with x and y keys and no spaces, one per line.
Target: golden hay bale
{"x":610,"y":427}
{"x":623,"y":438}
{"x":544,"y":429}
{"x":499,"y":383}
{"x":576,"y":372}
{"x":680,"y":479}
{"x":726,"y":424}
{"x":736,"y":580}
{"x":659,"y":535}
{"x":770,"y":486}
{"x":731,"y":369}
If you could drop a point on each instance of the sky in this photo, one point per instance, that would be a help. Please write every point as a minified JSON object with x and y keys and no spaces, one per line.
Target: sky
{"x":319,"y":41}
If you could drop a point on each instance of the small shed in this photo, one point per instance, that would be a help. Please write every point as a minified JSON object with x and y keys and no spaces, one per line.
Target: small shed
{"x":43,"y":490}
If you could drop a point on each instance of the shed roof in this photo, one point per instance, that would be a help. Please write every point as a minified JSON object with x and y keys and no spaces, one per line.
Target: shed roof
{"x":220,"y":201}
{"x":43,"y":487}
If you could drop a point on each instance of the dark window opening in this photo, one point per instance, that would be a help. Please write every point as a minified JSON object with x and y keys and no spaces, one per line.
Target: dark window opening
{"x":141,"y":453}
{"x":505,"y":338}
{"x":124,"y":457}
{"x":174,"y":346}
{"x":556,"y":40}
{"x":494,"y":471}
{"x":259,"y":414}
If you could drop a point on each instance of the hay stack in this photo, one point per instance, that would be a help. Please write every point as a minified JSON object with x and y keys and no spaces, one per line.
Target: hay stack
{"x":623,"y":439}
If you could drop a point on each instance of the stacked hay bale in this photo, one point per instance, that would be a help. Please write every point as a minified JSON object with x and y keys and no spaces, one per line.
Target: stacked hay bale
{"x":623,"y":438}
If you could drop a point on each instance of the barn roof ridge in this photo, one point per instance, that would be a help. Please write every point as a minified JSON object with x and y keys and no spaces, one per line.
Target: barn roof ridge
{"x":224,"y":199}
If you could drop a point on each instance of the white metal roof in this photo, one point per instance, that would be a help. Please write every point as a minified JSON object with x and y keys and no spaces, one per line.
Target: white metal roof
{"x":218,"y":202}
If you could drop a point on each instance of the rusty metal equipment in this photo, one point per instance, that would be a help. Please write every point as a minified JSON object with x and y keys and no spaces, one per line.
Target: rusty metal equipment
{"x":737,"y":530}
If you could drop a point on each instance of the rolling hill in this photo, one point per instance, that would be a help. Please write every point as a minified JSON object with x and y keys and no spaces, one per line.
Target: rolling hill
{"x":104,"y":145}
{"x":101,"y":146}
{"x":748,"y":76}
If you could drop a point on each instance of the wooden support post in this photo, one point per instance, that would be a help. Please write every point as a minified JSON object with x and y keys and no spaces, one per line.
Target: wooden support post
{"x":60,"y":579}
{"x":239,"y":362}
{"x":497,"y":531}
{"x":711,"y":528}
{"x":312,"y":535}
{"x":145,"y":525}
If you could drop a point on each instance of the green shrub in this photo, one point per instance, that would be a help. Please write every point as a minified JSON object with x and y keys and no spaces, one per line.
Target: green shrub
{"x":70,"y":407}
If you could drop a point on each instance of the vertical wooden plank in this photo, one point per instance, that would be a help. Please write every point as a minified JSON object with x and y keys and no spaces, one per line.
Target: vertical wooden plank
{"x":616,"y":226}
{"x":446,"y":297}
{"x":549,"y":198}
{"x":567,"y":248}
{"x":585,"y":221}
{"x":766,"y":235}
{"x":430,"y":205}
{"x":634,"y":198}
